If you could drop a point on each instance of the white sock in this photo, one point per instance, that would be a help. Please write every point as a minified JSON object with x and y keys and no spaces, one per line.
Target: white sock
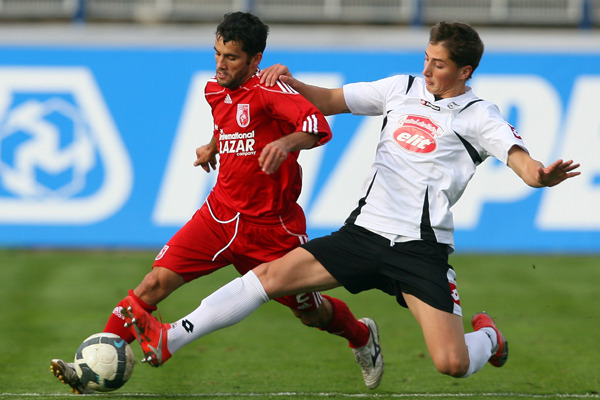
{"x":224,"y":307}
{"x":480,"y":346}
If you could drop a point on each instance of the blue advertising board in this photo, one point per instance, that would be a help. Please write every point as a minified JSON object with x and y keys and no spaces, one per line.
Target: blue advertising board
{"x":97,"y":146}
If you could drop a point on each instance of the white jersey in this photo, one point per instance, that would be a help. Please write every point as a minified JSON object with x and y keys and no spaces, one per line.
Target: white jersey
{"x":427,"y":153}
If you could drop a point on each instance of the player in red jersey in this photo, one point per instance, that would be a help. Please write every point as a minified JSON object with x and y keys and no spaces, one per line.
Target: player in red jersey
{"x":251,"y":216}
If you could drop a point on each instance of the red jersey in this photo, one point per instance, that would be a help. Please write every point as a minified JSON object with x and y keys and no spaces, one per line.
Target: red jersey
{"x":246,"y":119}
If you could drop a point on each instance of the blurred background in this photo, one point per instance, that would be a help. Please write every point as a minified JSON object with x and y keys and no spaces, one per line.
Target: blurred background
{"x":102,"y":106}
{"x":559,"y":13}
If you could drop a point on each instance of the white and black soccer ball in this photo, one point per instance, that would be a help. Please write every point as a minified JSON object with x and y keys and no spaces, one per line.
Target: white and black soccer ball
{"x":104,"y":362}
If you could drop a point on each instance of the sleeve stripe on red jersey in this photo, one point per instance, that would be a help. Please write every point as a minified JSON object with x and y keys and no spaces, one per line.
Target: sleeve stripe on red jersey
{"x":285,"y":87}
{"x":311,"y":124}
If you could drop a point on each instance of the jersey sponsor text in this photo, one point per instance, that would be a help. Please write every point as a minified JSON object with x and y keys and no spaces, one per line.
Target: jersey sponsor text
{"x":241,"y":144}
{"x":417,"y":134}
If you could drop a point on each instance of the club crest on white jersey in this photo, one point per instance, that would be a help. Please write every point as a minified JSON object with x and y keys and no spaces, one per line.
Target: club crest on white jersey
{"x":243,"y":115}
{"x":515,"y":133}
{"x":417,"y":133}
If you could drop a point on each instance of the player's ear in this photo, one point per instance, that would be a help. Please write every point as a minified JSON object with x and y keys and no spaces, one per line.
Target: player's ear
{"x":256,"y":59}
{"x":466,"y":72}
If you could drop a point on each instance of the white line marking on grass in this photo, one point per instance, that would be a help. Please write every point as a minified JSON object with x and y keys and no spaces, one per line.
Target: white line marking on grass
{"x":308,"y":394}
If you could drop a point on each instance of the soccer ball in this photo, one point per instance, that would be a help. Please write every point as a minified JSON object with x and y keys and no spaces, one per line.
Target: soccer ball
{"x":104,"y":362}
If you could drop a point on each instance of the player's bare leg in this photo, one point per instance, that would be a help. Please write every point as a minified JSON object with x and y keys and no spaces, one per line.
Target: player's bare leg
{"x":453,"y":352}
{"x":296,"y":272}
{"x":159,"y":283}
{"x":444,"y":336}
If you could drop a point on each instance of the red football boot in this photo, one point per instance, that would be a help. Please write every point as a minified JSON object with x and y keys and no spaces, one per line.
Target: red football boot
{"x":149,"y":331}
{"x":483,"y":320}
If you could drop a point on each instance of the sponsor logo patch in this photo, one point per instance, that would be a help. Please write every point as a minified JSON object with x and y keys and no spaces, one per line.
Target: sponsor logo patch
{"x":430,"y":105}
{"x":454,"y":293}
{"x":417,"y":133}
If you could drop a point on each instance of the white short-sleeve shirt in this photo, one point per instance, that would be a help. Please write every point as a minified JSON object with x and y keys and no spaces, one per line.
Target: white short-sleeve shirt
{"x":427,"y":153}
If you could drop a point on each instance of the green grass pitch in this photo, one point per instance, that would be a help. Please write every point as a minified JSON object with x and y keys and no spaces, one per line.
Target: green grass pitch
{"x":548,"y":307}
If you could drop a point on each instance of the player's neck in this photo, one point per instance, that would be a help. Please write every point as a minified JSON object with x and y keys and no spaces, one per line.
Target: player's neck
{"x":250,"y":76}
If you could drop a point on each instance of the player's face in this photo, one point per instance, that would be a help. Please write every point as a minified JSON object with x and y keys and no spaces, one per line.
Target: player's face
{"x":442,"y":76}
{"x":234,"y":66}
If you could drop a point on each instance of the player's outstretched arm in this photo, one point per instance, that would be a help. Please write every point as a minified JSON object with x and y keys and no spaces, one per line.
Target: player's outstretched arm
{"x":206,"y":156}
{"x":535,"y":174}
{"x":328,"y":101}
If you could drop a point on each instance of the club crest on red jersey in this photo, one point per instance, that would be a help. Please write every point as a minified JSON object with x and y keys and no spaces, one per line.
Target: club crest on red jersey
{"x":162,"y":252}
{"x":417,"y":133}
{"x":243,"y":115}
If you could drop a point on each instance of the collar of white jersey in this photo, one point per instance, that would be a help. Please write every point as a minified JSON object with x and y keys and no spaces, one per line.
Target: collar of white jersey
{"x":452,"y":103}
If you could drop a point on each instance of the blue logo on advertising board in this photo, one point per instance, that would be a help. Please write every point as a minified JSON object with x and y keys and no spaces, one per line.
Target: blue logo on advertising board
{"x":58,"y":149}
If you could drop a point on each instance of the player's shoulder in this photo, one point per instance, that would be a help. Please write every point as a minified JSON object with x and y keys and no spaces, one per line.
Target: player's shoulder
{"x":278,"y":88}
{"x":480,"y":113}
{"x":212,"y":87}
{"x":479,"y":105}
{"x":400,"y":83}
{"x":402,"y":79}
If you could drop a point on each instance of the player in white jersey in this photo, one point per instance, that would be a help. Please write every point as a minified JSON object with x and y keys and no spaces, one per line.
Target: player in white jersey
{"x":436,"y":132}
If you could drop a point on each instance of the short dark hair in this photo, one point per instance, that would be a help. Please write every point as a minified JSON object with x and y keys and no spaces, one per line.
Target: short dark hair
{"x":246,"y":29}
{"x":462,"y":42}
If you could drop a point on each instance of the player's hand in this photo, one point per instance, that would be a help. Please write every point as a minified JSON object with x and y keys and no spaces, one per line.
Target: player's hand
{"x":557,"y":172}
{"x":206,"y":157}
{"x":272,"y":156}
{"x":270,"y":75}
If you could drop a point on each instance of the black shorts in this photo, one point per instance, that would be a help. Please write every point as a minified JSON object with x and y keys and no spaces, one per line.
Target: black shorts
{"x":360,"y":260}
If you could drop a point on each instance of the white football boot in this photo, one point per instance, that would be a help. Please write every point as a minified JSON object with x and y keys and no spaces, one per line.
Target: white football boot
{"x":369,"y":357}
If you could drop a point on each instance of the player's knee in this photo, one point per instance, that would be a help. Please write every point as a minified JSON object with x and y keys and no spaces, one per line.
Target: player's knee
{"x":452,"y":365}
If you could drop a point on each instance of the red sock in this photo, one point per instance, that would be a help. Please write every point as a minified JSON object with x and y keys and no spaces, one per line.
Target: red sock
{"x":116,"y":321}
{"x":344,"y":324}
